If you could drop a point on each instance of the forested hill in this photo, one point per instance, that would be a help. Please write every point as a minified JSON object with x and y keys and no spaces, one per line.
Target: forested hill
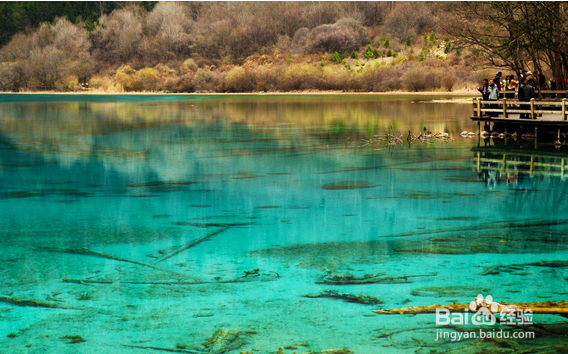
{"x":252,"y":46}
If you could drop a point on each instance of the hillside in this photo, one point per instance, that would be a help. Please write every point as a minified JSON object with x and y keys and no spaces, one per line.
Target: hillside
{"x":238,"y":47}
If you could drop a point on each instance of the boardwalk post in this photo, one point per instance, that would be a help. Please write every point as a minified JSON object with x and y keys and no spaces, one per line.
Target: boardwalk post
{"x":563,"y":109}
{"x":532,"y":109}
{"x":478,"y":107}
{"x":505,"y":108}
{"x":479,"y":161}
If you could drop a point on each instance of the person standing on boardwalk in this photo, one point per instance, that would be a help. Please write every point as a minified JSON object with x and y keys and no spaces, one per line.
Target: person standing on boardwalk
{"x":527,"y":94}
{"x":493,"y":90}
{"x":483,"y":90}
{"x":512,"y":85}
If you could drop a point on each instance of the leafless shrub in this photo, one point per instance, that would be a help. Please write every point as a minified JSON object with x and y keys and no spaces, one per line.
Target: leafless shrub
{"x":335,"y":79}
{"x":301,"y":77}
{"x":43,"y":36}
{"x":125,"y":76}
{"x":169,"y":27}
{"x":268,"y":77}
{"x":101,"y":83}
{"x":120,"y":35}
{"x":345,"y":35}
{"x":45,"y":66}
{"x":17,"y":49}
{"x":70,"y":38}
{"x":67,"y":83}
{"x":148,"y":79}
{"x":83,"y":67}
{"x":414,"y":79}
{"x":408,"y":19}
{"x":10,"y":79}
{"x":240,"y":80}
{"x":186,"y":83}
{"x":206,"y":81}
{"x":449,"y":80}
{"x":382,"y":79}
{"x":188,"y":66}
{"x":301,"y":40}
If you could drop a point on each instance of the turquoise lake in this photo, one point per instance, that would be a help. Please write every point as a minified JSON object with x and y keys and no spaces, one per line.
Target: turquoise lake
{"x":229,"y":224}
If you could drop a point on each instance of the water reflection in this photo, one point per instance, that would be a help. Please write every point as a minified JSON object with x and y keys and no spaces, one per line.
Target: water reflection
{"x":166,"y":219}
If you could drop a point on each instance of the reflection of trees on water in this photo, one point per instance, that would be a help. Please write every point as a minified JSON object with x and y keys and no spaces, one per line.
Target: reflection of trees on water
{"x":159,"y":130}
{"x":357,"y":112}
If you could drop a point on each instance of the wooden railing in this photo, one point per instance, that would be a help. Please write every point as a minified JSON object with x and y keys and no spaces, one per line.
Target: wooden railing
{"x":535,"y":108}
{"x":558,"y":93}
{"x":522,"y":163}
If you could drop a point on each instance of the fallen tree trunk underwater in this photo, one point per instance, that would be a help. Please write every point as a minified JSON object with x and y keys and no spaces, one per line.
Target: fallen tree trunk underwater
{"x":542,"y":308}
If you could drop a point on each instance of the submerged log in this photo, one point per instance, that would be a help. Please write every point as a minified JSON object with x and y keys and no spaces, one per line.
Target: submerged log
{"x":192,"y":243}
{"x":88,"y":252}
{"x":266,"y":276}
{"x":355,"y":298}
{"x":171,"y":350}
{"x":350,"y":279}
{"x":543,"y":308}
{"x":12,"y":300}
{"x":485,"y":226}
{"x":108,"y":282}
{"x":224,"y":340}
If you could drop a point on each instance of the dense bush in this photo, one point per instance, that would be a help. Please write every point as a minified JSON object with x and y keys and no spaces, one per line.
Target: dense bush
{"x":408,"y":19}
{"x":206,"y":81}
{"x":345,"y":35}
{"x":119,"y":35}
{"x":240,"y":80}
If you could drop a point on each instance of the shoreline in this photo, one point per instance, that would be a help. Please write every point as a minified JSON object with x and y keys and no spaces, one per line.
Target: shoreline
{"x":298,"y":93}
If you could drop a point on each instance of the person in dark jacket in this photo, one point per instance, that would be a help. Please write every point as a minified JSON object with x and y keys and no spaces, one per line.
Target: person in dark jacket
{"x":497,"y":80}
{"x":484,"y":90}
{"x":528,"y":93}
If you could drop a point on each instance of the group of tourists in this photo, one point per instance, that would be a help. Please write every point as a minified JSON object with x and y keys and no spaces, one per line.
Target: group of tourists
{"x":492,"y":90}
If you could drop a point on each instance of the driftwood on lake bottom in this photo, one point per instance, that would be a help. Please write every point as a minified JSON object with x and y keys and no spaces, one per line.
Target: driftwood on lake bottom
{"x":484,"y":226}
{"x":172,"y":350}
{"x":192,"y":243}
{"x":543,"y":308}
{"x":88,"y":252}
{"x":355,"y":298}
{"x":12,"y":300}
{"x":266,"y":276}
{"x":350,"y":279}
{"x":106,"y":281}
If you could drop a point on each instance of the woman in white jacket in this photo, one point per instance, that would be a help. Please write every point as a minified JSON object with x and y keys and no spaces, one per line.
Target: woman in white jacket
{"x":493,"y":96}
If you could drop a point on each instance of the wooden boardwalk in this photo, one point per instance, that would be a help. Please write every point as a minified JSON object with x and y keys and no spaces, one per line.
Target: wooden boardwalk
{"x":551,"y":116}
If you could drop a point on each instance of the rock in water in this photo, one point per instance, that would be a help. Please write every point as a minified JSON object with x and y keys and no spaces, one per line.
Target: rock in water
{"x":224,"y":340}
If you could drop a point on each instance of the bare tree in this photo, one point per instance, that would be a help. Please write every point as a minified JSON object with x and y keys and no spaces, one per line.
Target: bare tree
{"x":120,"y":34}
{"x":514,"y":35}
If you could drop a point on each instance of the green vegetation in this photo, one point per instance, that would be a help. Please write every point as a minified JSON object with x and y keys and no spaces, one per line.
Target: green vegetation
{"x":369,"y":53}
{"x":337,"y":57}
